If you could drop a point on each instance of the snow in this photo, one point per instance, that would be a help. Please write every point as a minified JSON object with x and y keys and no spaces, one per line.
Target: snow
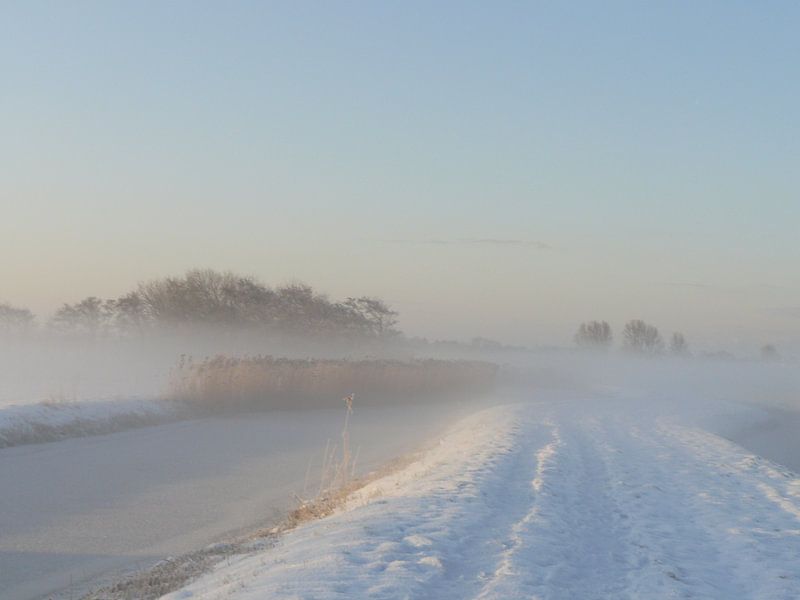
{"x":52,"y":420}
{"x":603,"y":497}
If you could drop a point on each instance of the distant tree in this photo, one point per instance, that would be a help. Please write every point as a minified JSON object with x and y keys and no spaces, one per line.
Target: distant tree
{"x":678,"y":345}
{"x":297,"y":308}
{"x":642,"y":338}
{"x":594,"y":334}
{"x":15,"y":321}
{"x":252,"y":303}
{"x":88,"y":317}
{"x":203,"y":297}
{"x":164,"y":300}
{"x":380,"y":318}
{"x":129,"y":313}
{"x":770,"y":353}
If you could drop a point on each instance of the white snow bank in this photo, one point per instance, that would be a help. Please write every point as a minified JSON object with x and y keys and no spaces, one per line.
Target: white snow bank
{"x":48,"y":421}
{"x":580,"y":500}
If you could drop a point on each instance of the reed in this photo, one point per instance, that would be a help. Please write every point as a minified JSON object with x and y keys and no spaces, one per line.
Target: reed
{"x":257,"y":382}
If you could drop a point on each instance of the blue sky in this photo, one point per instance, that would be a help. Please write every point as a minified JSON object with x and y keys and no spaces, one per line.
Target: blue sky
{"x":627,"y":159}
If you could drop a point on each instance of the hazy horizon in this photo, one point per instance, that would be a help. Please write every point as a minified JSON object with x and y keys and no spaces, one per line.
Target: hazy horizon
{"x":499,"y":171}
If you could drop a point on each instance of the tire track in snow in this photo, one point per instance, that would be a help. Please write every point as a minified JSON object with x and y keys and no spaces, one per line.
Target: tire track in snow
{"x":515,"y":541}
{"x":572,"y":543}
{"x":479,"y":550}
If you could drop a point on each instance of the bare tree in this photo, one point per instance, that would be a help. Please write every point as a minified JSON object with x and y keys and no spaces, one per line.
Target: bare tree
{"x":594,"y":334}
{"x":88,"y":317}
{"x":129,"y":313}
{"x":678,"y":345}
{"x":203,"y":296}
{"x":15,"y":321}
{"x":380,"y":318}
{"x":642,"y":338}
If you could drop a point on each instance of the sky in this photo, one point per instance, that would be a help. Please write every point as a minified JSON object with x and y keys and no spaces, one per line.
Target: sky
{"x":505,"y":170}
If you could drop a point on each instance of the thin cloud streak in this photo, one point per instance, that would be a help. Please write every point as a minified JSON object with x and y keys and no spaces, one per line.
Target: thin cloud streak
{"x":499,"y":242}
{"x":745,"y":288}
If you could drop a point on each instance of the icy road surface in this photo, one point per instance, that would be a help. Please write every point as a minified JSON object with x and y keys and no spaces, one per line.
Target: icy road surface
{"x":74,"y":510}
{"x":610,"y":499}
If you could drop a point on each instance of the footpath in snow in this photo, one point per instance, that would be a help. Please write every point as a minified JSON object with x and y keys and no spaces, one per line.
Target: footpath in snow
{"x":582,"y":500}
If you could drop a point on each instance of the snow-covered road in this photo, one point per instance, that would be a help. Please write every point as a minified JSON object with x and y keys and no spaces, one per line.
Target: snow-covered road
{"x":588,"y":499}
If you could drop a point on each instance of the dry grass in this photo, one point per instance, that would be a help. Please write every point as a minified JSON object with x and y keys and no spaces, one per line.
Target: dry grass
{"x":267,"y":382}
{"x":168,"y":575}
{"x":337,"y":480}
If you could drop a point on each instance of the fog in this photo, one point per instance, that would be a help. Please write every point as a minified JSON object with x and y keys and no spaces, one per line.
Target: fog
{"x":85,"y":508}
{"x":251,"y":244}
{"x":753,"y":403}
{"x":75,"y":369}
{"x":56,"y":370}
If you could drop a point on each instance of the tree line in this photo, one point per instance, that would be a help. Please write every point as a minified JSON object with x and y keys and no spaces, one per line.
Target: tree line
{"x":644,"y":339}
{"x":637,"y":337}
{"x":204,"y":297}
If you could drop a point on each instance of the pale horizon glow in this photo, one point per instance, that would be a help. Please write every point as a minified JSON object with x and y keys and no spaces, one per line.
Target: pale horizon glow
{"x":504,"y":170}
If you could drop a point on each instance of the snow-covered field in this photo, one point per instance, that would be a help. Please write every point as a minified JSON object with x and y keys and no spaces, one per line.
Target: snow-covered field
{"x":579,"y":499}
